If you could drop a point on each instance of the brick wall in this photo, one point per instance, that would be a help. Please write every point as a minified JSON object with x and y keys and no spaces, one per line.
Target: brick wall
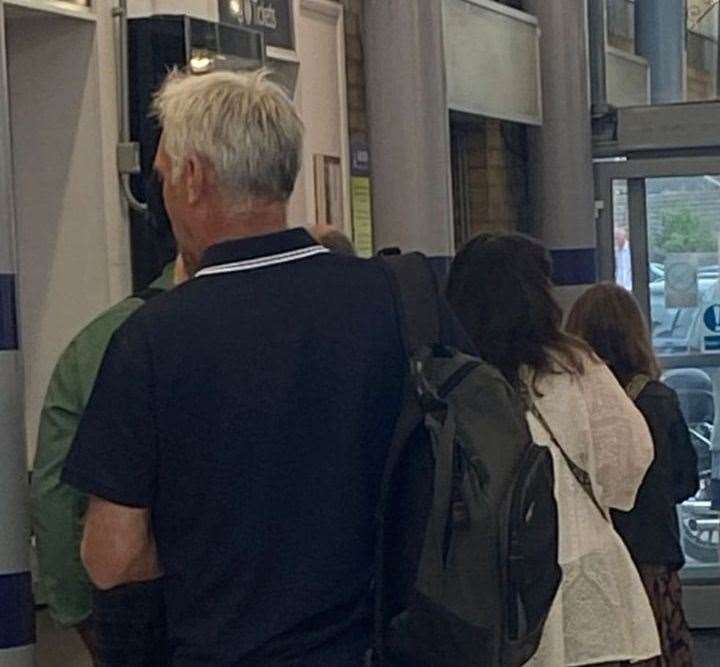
{"x":357,"y":121}
{"x":506,"y":176}
{"x":490,"y":186}
{"x":355,"y":67}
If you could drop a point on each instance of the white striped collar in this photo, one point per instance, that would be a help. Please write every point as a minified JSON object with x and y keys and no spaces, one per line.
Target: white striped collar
{"x":262,"y":262}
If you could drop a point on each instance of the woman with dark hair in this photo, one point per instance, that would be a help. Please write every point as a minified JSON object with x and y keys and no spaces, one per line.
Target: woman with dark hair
{"x":609,"y":319}
{"x":500,"y":287}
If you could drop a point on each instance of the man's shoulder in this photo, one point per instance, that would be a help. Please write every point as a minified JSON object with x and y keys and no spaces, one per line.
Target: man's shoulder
{"x":345,"y":269}
{"x":78,"y":364}
{"x":371,"y":270}
{"x":94,"y":338}
{"x":363,"y":280}
{"x":368,"y":281}
{"x":99,"y":331}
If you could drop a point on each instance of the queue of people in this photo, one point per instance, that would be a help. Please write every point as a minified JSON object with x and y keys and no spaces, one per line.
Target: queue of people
{"x":501,"y":289}
{"x":211,"y":450}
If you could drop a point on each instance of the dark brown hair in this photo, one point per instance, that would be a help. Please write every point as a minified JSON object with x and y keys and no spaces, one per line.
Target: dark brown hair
{"x":500,"y":287}
{"x":608,"y":317}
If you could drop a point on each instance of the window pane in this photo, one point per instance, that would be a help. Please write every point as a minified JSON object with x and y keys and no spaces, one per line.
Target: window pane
{"x":623,"y":253}
{"x":683,"y":223}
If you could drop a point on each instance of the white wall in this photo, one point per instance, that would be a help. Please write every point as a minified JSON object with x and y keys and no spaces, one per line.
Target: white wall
{"x":321,"y":99}
{"x":60,"y":200}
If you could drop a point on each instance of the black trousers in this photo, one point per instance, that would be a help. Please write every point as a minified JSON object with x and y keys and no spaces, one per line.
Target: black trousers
{"x":130,"y":626}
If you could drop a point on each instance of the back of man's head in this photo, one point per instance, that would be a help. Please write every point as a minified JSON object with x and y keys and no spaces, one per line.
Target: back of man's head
{"x":242,"y":123}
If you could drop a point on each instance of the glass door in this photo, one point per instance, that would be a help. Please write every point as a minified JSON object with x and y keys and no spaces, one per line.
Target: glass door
{"x":658,"y":235}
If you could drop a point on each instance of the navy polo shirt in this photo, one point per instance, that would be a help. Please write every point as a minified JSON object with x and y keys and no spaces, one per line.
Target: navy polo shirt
{"x":251,"y":410}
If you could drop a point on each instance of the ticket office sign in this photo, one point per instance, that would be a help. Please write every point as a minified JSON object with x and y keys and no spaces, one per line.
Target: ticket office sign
{"x":274,"y":18}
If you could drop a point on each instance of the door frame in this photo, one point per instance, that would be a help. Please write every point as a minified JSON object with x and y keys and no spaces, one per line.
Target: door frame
{"x":701,"y":592}
{"x":635,"y":172}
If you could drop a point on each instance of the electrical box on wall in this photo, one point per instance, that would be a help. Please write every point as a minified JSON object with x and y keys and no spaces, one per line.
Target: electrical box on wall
{"x":156,"y":44}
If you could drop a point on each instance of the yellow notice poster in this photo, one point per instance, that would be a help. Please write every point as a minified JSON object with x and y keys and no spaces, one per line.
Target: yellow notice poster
{"x":362,"y":215}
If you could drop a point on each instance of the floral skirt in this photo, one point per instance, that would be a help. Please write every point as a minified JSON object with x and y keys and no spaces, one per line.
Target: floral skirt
{"x":665,"y":592}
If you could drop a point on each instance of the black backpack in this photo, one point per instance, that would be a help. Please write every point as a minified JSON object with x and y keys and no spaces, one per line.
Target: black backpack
{"x":466,"y":548}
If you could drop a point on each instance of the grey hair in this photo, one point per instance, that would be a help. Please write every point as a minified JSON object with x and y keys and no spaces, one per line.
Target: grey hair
{"x":241,"y":122}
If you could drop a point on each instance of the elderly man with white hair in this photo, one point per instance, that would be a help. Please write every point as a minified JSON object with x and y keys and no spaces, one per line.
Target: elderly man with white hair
{"x":235,"y":439}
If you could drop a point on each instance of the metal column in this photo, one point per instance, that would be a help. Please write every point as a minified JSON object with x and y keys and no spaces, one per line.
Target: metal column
{"x":409,"y":126}
{"x":17,"y":622}
{"x":597,"y":44}
{"x":561,"y":150}
{"x":660,"y":33}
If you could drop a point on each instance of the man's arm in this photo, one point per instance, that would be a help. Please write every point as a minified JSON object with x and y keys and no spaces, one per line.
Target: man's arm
{"x":57,"y":508}
{"x":118,"y":546}
{"x":114,"y":460}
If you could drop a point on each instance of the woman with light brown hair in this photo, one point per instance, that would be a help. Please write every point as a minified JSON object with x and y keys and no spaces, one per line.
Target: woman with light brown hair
{"x":608,"y":318}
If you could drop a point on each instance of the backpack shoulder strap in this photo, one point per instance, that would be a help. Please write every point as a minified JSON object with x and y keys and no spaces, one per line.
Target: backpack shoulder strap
{"x":580,"y":474}
{"x":635,"y":387}
{"x":415,"y":291}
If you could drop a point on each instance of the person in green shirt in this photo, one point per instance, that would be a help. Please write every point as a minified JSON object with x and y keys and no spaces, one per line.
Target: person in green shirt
{"x":57,"y":509}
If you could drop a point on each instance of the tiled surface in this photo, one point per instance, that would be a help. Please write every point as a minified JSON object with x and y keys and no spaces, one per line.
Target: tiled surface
{"x":57,"y":647}
{"x":63,"y":648}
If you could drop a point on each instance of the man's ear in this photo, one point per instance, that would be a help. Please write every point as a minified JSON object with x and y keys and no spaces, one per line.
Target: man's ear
{"x":196,"y":178}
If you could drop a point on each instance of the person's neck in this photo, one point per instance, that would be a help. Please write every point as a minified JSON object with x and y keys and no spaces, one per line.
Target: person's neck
{"x":232,"y":223}
{"x":254,"y":217}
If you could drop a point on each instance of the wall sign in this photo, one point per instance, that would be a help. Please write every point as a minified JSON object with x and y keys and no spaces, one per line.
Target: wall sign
{"x":359,"y":158}
{"x":711,"y":320}
{"x":272,"y":17}
{"x":681,"y":281}
{"x":362,"y":215}
{"x":8,"y":317}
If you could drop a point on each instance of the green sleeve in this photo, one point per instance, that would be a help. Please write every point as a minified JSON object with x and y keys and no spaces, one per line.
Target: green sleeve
{"x":58,"y":509}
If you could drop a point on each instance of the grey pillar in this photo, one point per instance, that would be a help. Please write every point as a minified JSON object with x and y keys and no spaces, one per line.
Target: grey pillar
{"x":16,"y":604}
{"x":561,"y":150}
{"x":597,"y":44}
{"x":660,"y":33}
{"x":717,"y":57}
{"x":409,"y":126}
